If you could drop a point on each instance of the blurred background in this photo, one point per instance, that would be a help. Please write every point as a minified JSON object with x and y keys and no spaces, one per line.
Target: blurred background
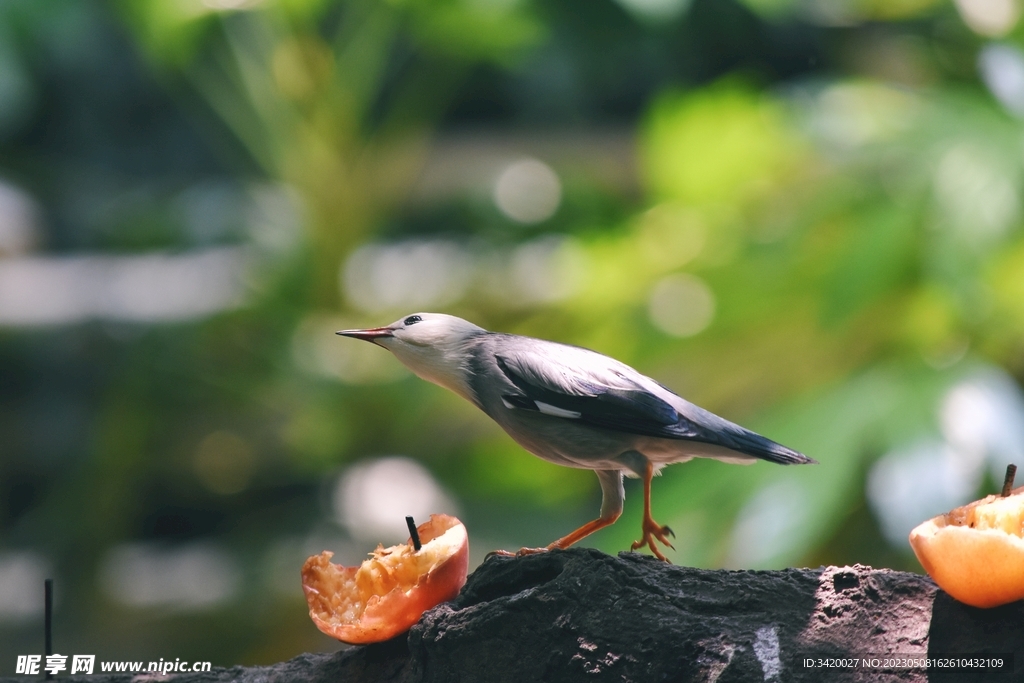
{"x":804,"y":215}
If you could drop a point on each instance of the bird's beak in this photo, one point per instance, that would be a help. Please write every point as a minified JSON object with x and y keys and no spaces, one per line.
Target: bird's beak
{"x":371,"y":334}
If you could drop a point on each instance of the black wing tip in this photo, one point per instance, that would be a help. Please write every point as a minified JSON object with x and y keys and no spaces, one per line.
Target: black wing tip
{"x":782,"y":455}
{"x":761,"y":447}
{"x":797,"y":459}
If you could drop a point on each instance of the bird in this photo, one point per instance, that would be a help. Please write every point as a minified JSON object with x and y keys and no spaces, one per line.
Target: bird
{"x":573,"y":407}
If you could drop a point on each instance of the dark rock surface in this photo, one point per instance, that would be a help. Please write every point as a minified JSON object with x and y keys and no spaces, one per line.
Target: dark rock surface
{"x":581,"y":615}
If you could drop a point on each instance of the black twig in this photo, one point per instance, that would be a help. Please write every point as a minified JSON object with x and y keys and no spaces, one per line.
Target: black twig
{"x":48,"y":620}
{"x":1011,"y":470}
{"x":413,"y":533}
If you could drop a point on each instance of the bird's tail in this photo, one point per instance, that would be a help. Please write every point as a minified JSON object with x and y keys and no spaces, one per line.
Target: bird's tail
{"x":751,"y":443}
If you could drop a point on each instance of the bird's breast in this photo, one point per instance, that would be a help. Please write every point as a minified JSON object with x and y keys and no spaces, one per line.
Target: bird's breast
{"x":562,"y":440}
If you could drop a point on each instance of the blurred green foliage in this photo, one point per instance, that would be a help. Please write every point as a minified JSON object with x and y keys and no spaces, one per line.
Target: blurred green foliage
{"x":804,"y":218}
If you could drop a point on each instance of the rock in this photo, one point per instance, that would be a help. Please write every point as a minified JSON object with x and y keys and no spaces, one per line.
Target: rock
{"x":581,"y":615}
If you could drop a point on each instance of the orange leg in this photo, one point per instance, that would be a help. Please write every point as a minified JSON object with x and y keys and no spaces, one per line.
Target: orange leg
{"x":611,"y":508}
{"x":652,"y":530}
{"x":582,"y":532}
{"x":565,"y":541}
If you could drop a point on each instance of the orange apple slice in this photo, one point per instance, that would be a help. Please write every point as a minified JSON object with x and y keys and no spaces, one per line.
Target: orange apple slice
{"x":976,"y":552}
{"x":387,"y":593}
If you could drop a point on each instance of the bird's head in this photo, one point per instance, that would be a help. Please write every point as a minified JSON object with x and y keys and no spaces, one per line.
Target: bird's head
{"x":432,"y":345}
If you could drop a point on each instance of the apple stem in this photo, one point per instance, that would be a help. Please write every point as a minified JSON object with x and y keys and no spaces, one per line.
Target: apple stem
{"x":415,"y":534}
{"x":1011,"y":470}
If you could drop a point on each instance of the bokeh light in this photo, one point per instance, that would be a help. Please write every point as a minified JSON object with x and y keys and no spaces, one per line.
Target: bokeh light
{"x":19,"y":217}
{"x":989,"y":17}
{"x":21,"y":575}
{"x":224,"y":462}
{"x":1002,"y":68}
{"x":372,"y":499}
{"x":195,"y":576}
{"x":407,"y":276}
{"x":528,"y":191}
{"x":41,"y":290}
{"x":681,"y":305}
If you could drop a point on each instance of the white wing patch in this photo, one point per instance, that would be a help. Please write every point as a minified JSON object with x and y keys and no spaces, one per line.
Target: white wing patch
{"x":545,"y":408}
{"x":556,"y":412}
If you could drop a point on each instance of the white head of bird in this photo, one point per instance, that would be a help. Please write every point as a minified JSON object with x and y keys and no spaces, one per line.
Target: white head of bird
{"x":432,"y":345}
{"x":573,"y":407}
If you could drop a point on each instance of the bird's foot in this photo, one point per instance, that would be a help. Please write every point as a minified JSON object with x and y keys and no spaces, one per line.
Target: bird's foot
{"x":653,"y":530}
{"x":520,"y":553}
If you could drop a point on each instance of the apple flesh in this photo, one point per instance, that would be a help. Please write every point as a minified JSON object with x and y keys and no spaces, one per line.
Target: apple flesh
{"x":388,"y":592}
{"x":976,"y":552}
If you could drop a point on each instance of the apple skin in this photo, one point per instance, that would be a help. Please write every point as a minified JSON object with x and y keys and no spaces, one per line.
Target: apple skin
{"x":394,"y":612}
{"x":982,"y":567}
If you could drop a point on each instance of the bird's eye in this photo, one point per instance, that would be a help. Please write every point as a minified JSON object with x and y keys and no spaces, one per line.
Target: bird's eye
{"x":412,"y":320}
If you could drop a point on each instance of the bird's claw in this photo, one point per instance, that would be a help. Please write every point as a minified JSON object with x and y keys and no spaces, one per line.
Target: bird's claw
{"x":652,"y":530}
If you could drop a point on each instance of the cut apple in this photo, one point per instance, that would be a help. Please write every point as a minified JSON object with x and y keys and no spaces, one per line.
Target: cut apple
{"x":387,"y":593}
{"x":976,"y":552}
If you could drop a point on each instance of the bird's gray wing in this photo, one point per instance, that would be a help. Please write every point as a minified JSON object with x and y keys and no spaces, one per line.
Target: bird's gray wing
{"x":563,"y":383}
{"x":577,"y":384}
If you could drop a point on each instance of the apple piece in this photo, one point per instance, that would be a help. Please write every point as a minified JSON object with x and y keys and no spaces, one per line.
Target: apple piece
{"x":387,"y":593}
{"x":976,"y":552}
